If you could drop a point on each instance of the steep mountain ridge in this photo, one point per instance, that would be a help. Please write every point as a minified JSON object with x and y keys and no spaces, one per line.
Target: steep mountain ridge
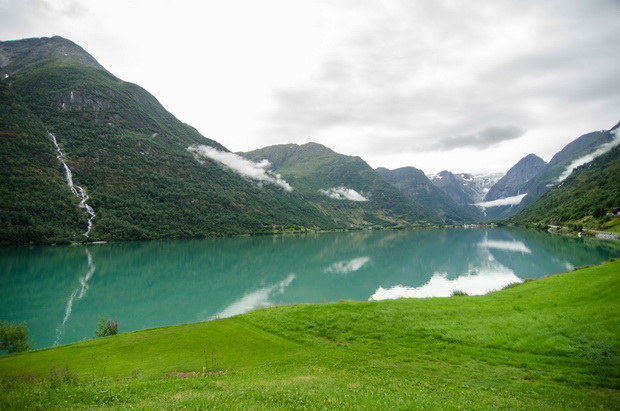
{"x":559,"y":167}
{"x":512,"y":183}
{"x":147,"y":175}
{"x":417,"y":186}
{"x":588,"y":191}
{"x":16,"y":56}
{"x":345,"y":186}
{"x":128,"y":153}
{"x":35,"y":204}
{"x":465,"y":189}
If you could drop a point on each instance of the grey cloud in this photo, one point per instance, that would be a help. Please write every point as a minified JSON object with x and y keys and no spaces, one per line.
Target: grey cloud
{"x":417,"y":70}
{"x":25,"y":16}
{"x":575,"y":57}
{"x":578,"y":71}
{"x":72,"y":8}
{"x":482,"y":139}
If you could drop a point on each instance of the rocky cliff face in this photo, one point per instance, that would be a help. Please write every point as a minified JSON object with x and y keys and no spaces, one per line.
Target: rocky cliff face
{"x":465,"y":189}
{"x":515,"y":179}
{"x":417,"y":186}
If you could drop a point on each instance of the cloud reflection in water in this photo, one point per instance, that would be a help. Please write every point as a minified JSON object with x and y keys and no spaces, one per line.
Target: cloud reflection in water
{"x":347,"y":266}
{"x":516,"y":246}
{"x":255,"y":299}
{"x":477,"y":281}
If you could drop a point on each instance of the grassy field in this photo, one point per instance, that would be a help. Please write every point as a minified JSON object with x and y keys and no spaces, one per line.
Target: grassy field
{"x":548,"y":344}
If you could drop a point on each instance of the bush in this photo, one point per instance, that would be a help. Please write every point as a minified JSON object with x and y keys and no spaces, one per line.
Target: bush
{"x":106,"y":327}
{"x":14,"y":337}
{"x":458,"y":293}
{"x":575,"y":227}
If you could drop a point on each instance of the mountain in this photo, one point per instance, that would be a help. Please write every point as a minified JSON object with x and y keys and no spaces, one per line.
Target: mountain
{"x":89,"y":157}
{"x":416,"y":185}
{"x":35,"y":204}
{"x":504,"y":197}
{"x":15,"y":56}
{"x":588,"y":191}
{"x":580,"y":151}
{"x":512,"y":183}
{"x":465,"y":189}
{"x":80,"y":146}
{"x":344,"y":187}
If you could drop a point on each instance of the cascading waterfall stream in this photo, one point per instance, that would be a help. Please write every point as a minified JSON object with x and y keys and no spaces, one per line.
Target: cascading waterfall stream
{"x":76,"y":190}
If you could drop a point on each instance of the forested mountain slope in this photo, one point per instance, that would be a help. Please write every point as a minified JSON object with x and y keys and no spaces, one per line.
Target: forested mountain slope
{"x":89,"y":157}
{"x":415,"y":185}
{"x":588,"y":191}
{"x":579,"y":151}
{"x":125,"y":150}
{"x":346,"y":187}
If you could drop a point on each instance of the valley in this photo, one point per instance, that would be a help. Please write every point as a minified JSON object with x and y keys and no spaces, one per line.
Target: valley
{"x":289,"y":276}
{"x":132,"y":171}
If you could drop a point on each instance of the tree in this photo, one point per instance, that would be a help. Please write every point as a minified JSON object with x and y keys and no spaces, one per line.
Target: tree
{"x":106,"y":327}
{"x":14,"y":337}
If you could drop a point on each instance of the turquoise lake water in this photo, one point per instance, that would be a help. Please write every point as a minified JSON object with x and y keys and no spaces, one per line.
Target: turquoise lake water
{"x":61,"y":291}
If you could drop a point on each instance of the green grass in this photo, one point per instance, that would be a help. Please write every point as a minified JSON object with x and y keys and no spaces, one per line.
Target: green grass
{"x":552,"y":343}
{"x":613,"y":225}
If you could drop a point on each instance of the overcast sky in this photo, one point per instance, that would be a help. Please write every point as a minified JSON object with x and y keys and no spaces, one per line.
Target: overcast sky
{"x":435,"y":84}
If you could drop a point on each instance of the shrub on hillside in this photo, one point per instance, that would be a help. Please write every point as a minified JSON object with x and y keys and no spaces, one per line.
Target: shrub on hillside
{"x":14,"y":337}
{"x":106,"y":327}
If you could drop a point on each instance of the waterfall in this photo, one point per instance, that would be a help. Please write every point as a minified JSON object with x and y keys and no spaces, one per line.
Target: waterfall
{"x":76,"y":190}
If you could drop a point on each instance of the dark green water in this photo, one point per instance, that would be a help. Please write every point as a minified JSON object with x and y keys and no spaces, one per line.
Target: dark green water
{"x":62,"y":291}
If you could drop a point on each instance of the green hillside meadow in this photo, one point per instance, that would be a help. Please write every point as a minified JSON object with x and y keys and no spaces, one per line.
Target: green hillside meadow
{"x":549,"y":344}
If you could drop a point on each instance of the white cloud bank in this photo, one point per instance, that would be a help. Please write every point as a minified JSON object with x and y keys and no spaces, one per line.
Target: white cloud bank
{"x":514,"y":200}
{"x":343,"y":193}
{"x":240,"y":165}
{"x":604,"y":148}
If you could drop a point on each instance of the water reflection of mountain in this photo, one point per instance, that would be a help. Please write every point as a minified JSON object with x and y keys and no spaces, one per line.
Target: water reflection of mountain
{"x":550,"y":254}
{"x":148,"y":284}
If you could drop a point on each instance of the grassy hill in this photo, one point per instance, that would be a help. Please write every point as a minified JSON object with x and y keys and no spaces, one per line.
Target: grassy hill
{"x":543,"y":345}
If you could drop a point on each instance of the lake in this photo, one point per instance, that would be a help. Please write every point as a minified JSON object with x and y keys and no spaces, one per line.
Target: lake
{"x":61,"y":291}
